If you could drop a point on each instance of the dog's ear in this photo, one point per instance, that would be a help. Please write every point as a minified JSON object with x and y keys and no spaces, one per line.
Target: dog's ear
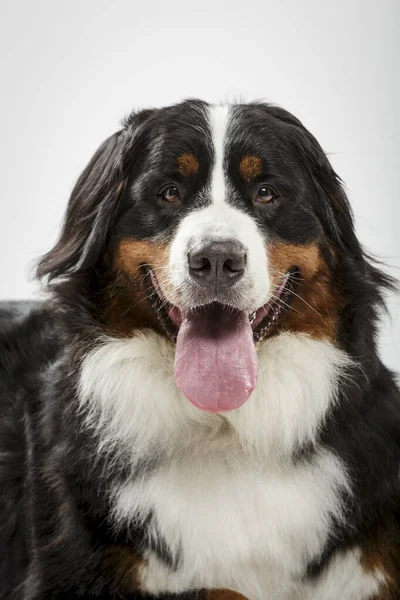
{"x":90,"y":212}
{"x":94,"y":202}
{"x":332,"y":203}
{"x":335,"y":211}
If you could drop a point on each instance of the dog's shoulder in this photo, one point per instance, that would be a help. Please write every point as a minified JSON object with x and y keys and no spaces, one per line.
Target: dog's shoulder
{"x":28,"y":338}
{"x":28,"y":342}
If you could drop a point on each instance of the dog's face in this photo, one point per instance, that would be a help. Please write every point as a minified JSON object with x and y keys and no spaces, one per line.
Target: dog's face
{"x":217,"y":226}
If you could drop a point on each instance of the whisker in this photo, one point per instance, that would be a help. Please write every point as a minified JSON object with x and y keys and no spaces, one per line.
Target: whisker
{"x":278,"y":300}
{"x":306,"y":303}
{"x":293,"y":278}
{"x":134,"y":304}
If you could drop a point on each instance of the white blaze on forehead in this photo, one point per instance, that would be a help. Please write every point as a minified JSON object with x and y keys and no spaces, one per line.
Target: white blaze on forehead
{"x":219,"y":220}
{"x":219,"y":120}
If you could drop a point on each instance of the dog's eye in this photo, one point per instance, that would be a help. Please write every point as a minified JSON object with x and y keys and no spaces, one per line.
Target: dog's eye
{"x":265,"y":195}
{"x":170,"y":194}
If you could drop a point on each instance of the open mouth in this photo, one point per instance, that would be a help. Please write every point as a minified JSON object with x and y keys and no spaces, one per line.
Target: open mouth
{"x":262,"y":321}
{"x":216,"y":361}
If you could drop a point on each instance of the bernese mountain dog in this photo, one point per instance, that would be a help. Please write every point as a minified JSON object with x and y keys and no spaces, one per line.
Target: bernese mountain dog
{"x":198,"y":409}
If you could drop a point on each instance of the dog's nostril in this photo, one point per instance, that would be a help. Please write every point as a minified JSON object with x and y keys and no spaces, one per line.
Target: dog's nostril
{"x":198,"y":263}
{"x":235,"y":264}
{"x":217,"y":264}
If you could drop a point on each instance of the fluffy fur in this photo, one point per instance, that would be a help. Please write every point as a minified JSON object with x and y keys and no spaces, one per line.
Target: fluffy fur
{"x":112,"y":483}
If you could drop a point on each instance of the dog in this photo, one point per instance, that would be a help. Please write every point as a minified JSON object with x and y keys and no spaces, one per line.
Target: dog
{"x":198,"y":409}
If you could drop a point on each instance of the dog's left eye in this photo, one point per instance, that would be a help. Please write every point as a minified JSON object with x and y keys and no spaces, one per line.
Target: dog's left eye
{"x":170,"y":194}
{"x":265,"y":195}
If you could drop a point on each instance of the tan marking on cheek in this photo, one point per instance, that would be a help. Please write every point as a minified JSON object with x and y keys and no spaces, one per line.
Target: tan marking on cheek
{"x":131,"y":254}
{"x":250,"y":166}
{"x":315,"y":308}
{"x":188,"y":164}
{"x":125,"y":303}
{"x":224,"y":595}
{"x":285,"y":256}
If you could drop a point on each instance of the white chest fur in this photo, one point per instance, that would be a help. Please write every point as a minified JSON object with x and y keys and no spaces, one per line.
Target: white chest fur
{"x":227,"y":498}
{"x":235,"y":524}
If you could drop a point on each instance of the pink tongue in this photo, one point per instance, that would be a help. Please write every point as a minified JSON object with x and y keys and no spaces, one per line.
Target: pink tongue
{"x":216,"y":360}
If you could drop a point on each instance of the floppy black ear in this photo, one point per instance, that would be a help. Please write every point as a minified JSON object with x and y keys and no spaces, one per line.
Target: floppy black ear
{"x":335,"y":211}
{"x":90,"y":212}
{"x":332,"y":203}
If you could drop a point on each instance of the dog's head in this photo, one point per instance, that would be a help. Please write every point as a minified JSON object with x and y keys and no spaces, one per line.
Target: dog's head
{"x":218,"y":226}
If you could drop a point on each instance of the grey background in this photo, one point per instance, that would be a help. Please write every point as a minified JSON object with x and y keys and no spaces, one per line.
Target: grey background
{"x":71,"y":70}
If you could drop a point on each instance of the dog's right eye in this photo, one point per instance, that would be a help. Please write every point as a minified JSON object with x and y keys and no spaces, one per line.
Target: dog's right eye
{"x":170,"y":194}
{"x":266,"y":195}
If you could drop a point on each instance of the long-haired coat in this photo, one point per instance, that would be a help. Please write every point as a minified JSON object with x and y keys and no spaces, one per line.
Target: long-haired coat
{"x":199,"y":410}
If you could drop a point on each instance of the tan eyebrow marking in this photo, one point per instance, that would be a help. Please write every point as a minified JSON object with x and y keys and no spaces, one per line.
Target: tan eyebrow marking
{"x":188,"y":164}
{"x":250,"y":166}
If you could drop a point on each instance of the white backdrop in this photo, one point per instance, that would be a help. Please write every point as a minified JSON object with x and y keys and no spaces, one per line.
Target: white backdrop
{"x":71,"y":70}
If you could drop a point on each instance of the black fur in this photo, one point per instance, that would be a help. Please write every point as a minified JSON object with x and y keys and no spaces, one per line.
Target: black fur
{"x":55,"y":536}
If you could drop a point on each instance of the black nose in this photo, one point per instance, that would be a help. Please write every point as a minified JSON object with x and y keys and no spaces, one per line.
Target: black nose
{"x":217,"y":265}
